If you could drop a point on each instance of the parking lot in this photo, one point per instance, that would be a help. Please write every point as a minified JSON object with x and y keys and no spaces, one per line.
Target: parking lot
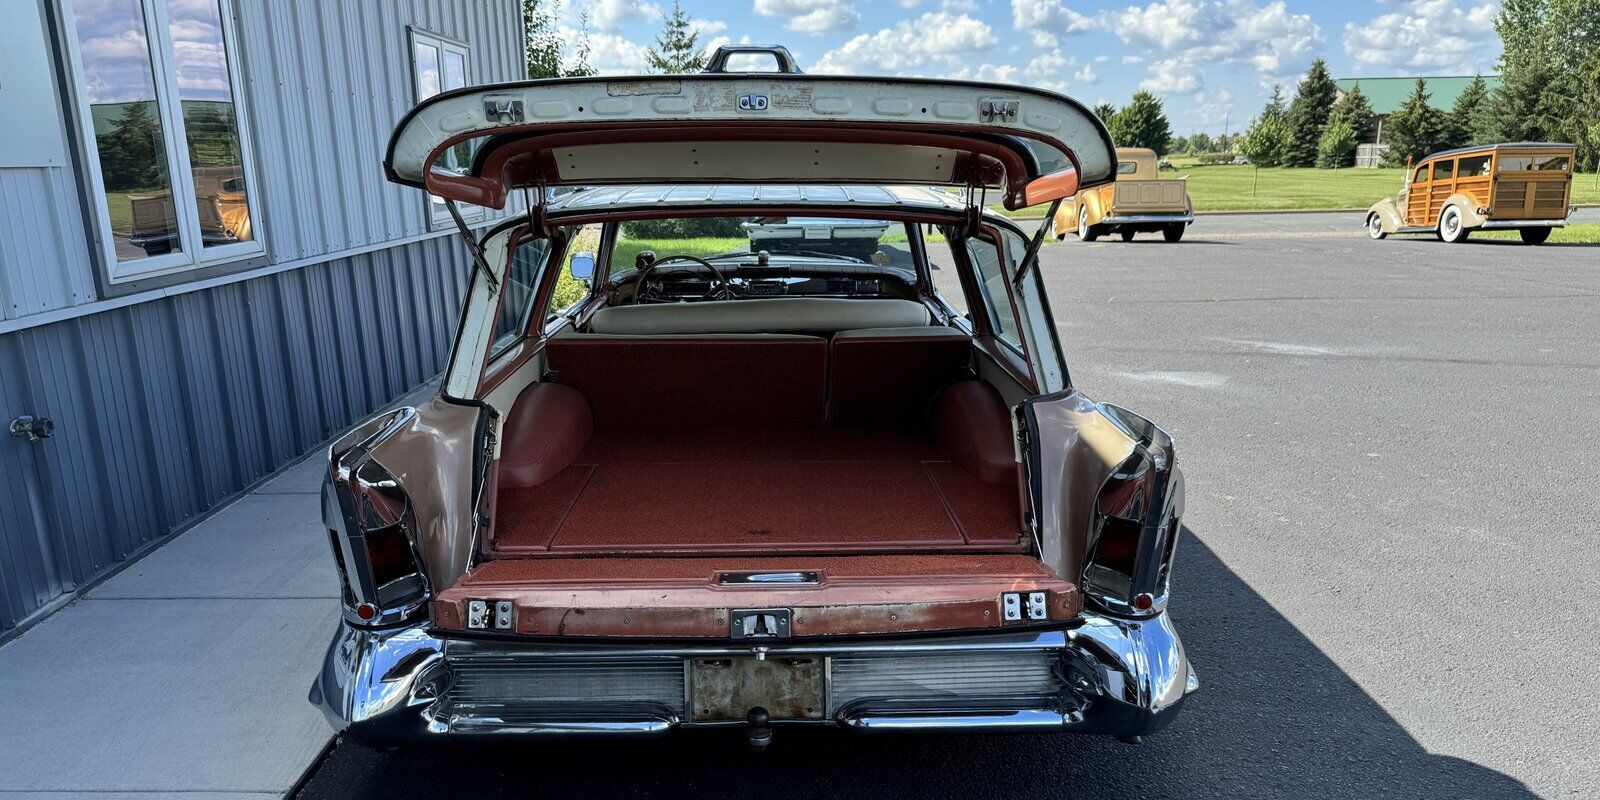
{"x":1391,"y":537}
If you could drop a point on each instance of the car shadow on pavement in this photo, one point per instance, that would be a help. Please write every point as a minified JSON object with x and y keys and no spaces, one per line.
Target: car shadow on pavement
{"x":1275,"y":718}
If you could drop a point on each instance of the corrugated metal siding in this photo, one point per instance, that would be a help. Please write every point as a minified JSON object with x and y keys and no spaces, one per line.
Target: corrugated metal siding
{"x":325,"y":84}
{"x":44,"y":260}
{"x":165,"y":409}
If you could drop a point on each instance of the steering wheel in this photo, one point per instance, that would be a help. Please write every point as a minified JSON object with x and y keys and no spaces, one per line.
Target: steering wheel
{"x":721,"y":288}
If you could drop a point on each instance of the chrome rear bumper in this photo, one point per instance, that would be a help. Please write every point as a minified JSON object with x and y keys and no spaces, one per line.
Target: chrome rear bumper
{"x":1100,"y":675}
{"x":1505,"y":224}
{"x":1118,"y":221}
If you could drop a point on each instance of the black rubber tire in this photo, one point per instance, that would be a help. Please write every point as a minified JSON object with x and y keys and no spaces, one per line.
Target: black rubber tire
{"x":1534,"y":235}
{"x":1127,"y":236}
{"x":1174,"y":232}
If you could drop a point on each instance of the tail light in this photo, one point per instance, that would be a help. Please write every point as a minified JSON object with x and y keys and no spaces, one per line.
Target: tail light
{"x":1137,"y":515}
{"x":373,"y":530}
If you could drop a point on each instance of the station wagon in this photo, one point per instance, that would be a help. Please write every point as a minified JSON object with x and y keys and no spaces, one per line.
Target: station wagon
{"x":679,"y":480}
{"x":1523,"y":186}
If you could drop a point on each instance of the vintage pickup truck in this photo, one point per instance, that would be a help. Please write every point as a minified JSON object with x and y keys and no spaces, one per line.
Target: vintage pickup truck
{"x":1139,"y":201}
{"x":752,"y":488}
{"x":1522,"y":186}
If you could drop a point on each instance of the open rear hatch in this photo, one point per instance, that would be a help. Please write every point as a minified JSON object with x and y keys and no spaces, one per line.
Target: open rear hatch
{"x":478,"y":145}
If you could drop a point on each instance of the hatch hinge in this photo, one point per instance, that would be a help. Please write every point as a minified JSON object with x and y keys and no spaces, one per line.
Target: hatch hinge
{"x":977,"y":196}
{"x":538,"y":211}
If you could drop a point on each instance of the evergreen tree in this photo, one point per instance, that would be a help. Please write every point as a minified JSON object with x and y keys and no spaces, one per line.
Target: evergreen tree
{"x":1308,"y":115}
{"x":1469,"y":115}
{"x":1354,"y":110}
{"x":1105,"y":111}
{"x":1268,"y":137}
{"x":131,"y":155}
{"x":1416,"y":130}
{"x":676,"y":50}
{"x":1142,"y":123}
{"x":1549,"y":85}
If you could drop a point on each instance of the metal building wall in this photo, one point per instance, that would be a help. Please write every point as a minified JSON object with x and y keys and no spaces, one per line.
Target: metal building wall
{"x":326,"y":83}
{"x":165,"y":409}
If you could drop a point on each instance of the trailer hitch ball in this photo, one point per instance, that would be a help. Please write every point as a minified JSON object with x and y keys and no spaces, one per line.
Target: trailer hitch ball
{"x":760,"y":731}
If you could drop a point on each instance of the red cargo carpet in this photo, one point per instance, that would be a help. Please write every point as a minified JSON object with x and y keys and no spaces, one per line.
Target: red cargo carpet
{"x":757,"y":491}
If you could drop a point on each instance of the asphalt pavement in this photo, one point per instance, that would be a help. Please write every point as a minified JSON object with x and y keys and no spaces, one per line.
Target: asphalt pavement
{"x":1385,"y":582}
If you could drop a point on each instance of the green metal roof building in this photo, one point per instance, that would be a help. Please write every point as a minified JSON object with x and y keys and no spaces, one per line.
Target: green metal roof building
{"x":1387,"y":94}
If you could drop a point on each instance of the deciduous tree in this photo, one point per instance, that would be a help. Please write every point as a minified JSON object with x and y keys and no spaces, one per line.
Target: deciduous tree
{"x":1268,"y":137}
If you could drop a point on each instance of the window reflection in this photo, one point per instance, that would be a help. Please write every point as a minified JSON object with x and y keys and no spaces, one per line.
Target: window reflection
{"x":132,"y":147}
{"x":201,"y":66}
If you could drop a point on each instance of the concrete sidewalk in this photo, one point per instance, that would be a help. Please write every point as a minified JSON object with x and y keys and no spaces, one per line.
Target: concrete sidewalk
{"x":186,"y":673}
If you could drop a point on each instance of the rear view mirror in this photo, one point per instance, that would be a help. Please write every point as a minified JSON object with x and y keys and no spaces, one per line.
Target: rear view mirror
{"x":582,"y":266}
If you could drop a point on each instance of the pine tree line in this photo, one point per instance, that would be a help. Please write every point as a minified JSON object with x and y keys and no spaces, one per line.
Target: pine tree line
{"x":1549,"y":90}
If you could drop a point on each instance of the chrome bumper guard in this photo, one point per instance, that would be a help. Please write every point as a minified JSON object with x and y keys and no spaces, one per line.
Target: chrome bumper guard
{"x":1100,"y":675}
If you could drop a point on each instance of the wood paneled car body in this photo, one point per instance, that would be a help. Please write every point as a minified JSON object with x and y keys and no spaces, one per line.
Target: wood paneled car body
{"x":1523,"y":186}
{"x":680,"y":482}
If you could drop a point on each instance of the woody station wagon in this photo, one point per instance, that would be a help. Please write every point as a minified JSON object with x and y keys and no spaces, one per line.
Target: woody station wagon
{"x":676,"y":478}
{"x":1523,"y":186}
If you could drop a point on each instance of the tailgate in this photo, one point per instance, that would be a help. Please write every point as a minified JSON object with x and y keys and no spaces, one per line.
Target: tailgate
{"x":755,"y":597}
{"x":1151,"y":197}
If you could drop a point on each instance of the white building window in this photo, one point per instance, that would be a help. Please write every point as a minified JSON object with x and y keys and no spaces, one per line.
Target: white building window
{"x":440,"y":65}
{"x":171,"y":166}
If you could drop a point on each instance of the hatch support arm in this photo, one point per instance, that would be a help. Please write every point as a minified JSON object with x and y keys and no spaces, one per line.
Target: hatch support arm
{"x":1032,"y":254}
{"x":479,"y":262}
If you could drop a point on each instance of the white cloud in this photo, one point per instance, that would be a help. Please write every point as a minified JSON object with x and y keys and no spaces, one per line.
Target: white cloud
{"x":1086,"y":75}
{"x":1047,"y":20}
{"x":812,"y":16}
{"x":1171,"y":76}
{"x":611,"y":54}
{"x":1214,"y":108}
{"x":1422,"y":36}
{"x":936,"y":38}
{"x":958,"y":6}
{"x":608,"y":15}
{"x":707,"y":27}
{"x":1184,"y":35}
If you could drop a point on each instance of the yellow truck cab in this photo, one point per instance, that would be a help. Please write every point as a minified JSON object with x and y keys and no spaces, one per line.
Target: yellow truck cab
{"x":1522,"y":186}
{"x":1139,"y":200}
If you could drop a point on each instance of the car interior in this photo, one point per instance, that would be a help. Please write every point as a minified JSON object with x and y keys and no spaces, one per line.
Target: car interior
{"x":698,"y":422}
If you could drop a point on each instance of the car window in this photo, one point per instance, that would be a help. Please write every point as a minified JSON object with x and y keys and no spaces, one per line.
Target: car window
{"x":1422,"y":174}
{"x":1443,"y":170}
{"x":517,"y":293}
{"x":985,"y":257}
{"x":1473,"y":166}
{"x":942,"y":269}
{"x":1552,"y":164}
{"x":1127,"y":167}
{"x":570,"y":290}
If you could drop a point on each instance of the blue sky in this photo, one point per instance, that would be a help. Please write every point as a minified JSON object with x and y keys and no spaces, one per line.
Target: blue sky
{"x":1212,"y":61}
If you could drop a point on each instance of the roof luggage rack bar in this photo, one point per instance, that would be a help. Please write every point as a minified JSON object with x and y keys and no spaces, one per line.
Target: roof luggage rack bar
{"x":718,"y":63}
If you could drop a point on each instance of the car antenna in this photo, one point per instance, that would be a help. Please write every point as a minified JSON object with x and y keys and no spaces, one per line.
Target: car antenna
{"x":478,"y":259}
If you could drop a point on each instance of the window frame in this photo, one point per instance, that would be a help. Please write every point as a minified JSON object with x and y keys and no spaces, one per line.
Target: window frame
{"x":436,"y":214}
{"x":194,"y":258}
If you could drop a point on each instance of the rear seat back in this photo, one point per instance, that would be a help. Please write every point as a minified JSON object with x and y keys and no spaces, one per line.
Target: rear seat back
{"x":683,"y":380}
{"x":890,"y":375}
{"x":814,"y":315}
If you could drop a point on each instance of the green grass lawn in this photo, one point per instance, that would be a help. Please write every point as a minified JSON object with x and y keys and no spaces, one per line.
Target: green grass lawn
{"x":1586,"y":233}
{"x":1244,"y":188}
